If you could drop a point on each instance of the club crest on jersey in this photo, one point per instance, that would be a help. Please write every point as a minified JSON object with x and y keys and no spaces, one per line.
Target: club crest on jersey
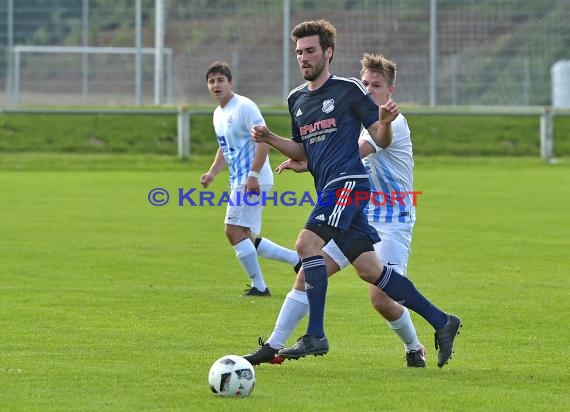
{"x":230,"y":120}
{"x":328,"y":106}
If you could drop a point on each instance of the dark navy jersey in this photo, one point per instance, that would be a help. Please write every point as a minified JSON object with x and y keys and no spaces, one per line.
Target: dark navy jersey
{"x":327,"y":121}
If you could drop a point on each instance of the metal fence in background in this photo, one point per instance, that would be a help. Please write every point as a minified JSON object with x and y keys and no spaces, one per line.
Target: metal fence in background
{"x":449,"y":52}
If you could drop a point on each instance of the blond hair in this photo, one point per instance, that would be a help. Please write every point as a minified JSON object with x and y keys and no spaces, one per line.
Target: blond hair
{"x":377,"y":63}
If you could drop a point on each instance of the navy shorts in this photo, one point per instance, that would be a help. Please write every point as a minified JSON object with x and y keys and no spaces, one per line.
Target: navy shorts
{"x":341,"y":208}
{"x":340,"y":203}
{"x":359,"y":229}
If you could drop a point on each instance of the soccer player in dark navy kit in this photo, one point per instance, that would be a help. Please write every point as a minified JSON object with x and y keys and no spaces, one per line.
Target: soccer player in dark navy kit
{"x":326,"y":114}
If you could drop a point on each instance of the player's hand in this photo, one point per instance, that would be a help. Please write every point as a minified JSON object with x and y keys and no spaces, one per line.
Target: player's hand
{"x":252,"y":185}
{"x":297,"y":167}
{"x":389,"y":111}
{"x":206,"y":179}
{"x":260,"y":134}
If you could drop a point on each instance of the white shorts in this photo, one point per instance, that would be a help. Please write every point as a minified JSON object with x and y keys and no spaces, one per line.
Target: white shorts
{"x":393,"y":250}
{"x":240,"y":213}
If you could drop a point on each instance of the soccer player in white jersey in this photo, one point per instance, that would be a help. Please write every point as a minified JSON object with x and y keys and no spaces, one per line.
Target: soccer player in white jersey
{"x":250,"y":174}
{"x":392,"y":215}
{"x":391,"y":173}
{"x":326,"y":114}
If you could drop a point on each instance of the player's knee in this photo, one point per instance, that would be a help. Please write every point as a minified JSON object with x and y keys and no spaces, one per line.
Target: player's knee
{"x":308,"y":245}
{"x":367,"y":276}
{"x":299,"y":281}
{"x":230,"y":231}
{"x":380,"y":301}
{"x":367,"y":266}
{"x":312,"y":239}
{"x":299,"y":246}
{"x":236,"y":234}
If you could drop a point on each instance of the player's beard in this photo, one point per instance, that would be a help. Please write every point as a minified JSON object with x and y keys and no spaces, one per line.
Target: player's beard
{"x":314,"y":74}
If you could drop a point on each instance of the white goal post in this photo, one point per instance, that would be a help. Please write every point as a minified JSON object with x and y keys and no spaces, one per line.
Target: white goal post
{"x":17,"y":51}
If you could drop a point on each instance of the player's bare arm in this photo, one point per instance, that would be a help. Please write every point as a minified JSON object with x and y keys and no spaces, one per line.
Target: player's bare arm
{"x":365,"y":148}
{"x":294,"y":165}
{"x":291,"y":149}
{"x":217,"y":166}
{"x":381,"y":131}
{"x":252,"y":182}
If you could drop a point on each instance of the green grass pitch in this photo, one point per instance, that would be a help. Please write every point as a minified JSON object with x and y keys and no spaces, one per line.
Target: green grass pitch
{"x":110,"y":304}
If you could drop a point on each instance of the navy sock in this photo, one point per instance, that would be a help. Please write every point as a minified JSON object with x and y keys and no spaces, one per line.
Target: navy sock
{"x":402,"y":290}
{"x":316,"y":282}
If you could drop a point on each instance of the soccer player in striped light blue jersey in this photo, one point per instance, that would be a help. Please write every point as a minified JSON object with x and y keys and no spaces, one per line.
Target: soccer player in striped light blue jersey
{"x":393,"y":215}
{"x":249,"y":171}
{"x":326,"y":114}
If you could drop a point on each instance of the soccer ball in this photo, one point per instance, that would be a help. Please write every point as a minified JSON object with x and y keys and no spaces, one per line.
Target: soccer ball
{"x":231,"y":376}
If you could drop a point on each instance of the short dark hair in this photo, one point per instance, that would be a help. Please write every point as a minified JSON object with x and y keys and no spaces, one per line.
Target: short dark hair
{"x":322,"y":28}
{"x":219,"y":67}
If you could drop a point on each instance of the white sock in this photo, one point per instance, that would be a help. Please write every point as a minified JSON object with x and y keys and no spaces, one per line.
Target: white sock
{"x":295,"y":307}
{"x":405,"y":329}
{"x":247,"y":255}
{"x":270,"y":250}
